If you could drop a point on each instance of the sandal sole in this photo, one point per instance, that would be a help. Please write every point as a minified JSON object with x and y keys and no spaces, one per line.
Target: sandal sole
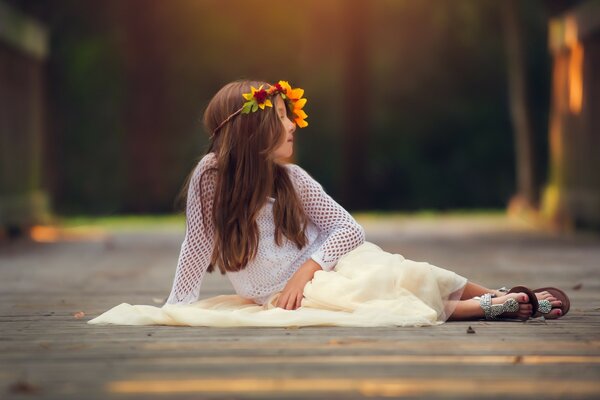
{"x":560,"y":295}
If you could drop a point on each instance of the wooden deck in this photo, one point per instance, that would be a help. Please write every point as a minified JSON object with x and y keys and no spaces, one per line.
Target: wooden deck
{"x":48,"y":353}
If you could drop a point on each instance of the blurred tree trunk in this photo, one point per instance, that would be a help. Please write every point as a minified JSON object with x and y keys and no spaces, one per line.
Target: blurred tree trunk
{"x":23,"y":56}
{"x":356,"y":102}
{"x":526,"y":197}
{"x":146,"y":141}
{"x":572,"y":195}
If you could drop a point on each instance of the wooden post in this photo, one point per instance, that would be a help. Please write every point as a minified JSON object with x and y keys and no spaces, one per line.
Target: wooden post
{"x":572,"y":197}
{"x":23,"y":49}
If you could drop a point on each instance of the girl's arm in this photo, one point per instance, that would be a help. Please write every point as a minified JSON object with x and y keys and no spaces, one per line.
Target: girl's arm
{"x":343,"y":235}
{"x":293,"y":292}
{"x":197,"y":247}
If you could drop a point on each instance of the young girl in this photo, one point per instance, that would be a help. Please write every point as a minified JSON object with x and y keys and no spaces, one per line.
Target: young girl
{"x":270,"y":226}
{"x":285,"y":244}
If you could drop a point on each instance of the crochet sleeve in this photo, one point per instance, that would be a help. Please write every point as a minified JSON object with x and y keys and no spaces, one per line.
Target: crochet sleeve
{"x":343,"y":232}
{"x":197,"y":247}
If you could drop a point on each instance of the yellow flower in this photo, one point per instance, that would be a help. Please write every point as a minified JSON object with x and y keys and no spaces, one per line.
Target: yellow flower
{"x":257,"y":98}
{"x":285,"y":85}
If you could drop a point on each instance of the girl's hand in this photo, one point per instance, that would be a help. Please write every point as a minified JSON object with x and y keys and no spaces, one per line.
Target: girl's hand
{"x":292,"y":294}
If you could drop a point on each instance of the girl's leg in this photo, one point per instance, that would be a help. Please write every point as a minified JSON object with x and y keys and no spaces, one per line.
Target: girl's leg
{"x":470,"y":309}
{"x":472,"y":289}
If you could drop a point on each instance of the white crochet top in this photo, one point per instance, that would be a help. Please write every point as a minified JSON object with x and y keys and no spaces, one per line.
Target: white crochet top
{"x":331,"y":233}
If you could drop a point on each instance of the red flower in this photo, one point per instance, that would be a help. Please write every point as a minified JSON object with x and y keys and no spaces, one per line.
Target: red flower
{"x":260,"y":96}
{"x":278,"y":87}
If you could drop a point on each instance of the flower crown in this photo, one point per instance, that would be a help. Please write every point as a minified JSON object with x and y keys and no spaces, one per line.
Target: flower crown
{"x":261,"y":98}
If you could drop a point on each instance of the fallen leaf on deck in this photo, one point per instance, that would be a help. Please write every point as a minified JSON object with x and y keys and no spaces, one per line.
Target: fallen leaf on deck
{"x":79,"y":314}
{"x":578,"y":286}
{"x":23,"y":387}
{"x":518,"y":360}
{"x":470,"y":330}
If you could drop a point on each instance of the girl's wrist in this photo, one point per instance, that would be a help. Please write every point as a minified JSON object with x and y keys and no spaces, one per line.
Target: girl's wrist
{"x":311,"y":266}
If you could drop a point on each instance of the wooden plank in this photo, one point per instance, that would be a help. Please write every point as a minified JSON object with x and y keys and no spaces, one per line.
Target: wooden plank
{"x":47,"y":353}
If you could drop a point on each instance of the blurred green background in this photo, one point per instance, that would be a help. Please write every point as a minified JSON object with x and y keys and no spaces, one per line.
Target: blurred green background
{"x":408,"y":101}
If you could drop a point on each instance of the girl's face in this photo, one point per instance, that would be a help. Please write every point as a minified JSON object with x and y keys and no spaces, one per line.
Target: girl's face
{"x":286,"y":148}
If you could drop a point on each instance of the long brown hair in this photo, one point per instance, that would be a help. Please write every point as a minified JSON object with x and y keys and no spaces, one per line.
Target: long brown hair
{"x":246,"y":175}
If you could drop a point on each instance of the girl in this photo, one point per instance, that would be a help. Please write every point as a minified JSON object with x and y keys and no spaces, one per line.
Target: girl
{"x":286,"y":245}
{"x":270,"y":227}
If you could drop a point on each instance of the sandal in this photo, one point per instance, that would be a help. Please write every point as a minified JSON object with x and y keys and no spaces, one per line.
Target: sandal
{"x":493,"y":311}
{"x":531,"y":295}
{"x":545,"y":306}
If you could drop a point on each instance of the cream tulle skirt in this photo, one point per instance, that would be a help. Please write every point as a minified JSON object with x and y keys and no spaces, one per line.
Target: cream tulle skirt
{"x":369,"y":287}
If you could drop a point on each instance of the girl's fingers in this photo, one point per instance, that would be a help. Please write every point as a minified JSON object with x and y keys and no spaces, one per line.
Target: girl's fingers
{"x":290,"y":303}
{"x":283,"y":298}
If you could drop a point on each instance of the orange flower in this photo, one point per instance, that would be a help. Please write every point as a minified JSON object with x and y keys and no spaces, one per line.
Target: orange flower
{"x":296,"y":103}
{"x":300,"y":118}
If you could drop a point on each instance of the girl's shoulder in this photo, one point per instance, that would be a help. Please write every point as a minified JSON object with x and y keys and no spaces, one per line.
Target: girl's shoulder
{"x":295,"y":171}
{"x":208,"y":161}
{"x":299,"y":176}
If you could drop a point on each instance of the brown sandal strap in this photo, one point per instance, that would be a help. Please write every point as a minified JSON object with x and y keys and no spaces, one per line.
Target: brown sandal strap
{"x":532,"y":299}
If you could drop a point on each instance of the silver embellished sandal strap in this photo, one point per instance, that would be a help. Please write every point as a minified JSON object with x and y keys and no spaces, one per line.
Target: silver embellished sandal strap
{"x":510,"y":305}
{"x":544,"y":306}
{"x":485,"y":302}
{"x":493,"y":311}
